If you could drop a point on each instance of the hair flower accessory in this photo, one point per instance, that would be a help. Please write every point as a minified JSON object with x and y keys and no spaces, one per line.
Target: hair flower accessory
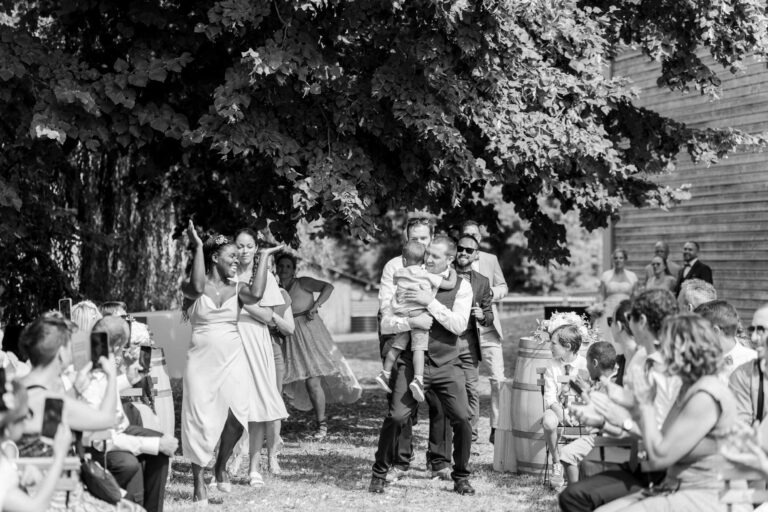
{"x":221,"y":240}
{"x":8,"y":398}
{"x":545,"y":328}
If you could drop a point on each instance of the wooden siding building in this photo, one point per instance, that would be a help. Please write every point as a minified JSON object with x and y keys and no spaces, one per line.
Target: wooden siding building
{"x":728,"y":212}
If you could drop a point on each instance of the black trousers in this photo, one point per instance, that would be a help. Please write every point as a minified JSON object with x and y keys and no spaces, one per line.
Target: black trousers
{"x":593,"y":492}
{"x":440,"y":431}
{"x":142,"y":476}
{"x":447,"y":384}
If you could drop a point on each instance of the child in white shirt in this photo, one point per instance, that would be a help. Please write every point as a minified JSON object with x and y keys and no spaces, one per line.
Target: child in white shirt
{"x":412,"y":277}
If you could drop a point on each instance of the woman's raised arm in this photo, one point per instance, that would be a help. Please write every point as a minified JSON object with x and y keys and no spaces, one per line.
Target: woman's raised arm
{"x":194,"y":284}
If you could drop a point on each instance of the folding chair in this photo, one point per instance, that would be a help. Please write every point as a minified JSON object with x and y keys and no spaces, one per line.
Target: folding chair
{"x":70,"y":473}
{"x":736,"y":492}
{"x":567,"y":434}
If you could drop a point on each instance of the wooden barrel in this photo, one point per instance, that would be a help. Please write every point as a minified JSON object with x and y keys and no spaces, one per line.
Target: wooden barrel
{"x":504,"y":458}
{"x":164,"y":397}
{"x":527,"y":408}
{"x":161,"y":393}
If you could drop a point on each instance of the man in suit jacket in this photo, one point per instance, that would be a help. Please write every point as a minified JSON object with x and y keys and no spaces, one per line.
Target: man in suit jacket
{"x":491,"y":336}
{"x":438,"y":456}
{"x":693,"y":268}
{"x":450,"y":310}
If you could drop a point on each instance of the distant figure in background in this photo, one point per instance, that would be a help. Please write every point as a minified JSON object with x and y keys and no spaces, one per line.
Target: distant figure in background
{"x":694,"y":293}
{"x":623,"y":339}
{"x":693,"y":268}
{"x":491,"y":336}
{"x":660,"y":277}
{"x":661,"y":250}
{"x":314,"y":366}
{"x":616,"y":285}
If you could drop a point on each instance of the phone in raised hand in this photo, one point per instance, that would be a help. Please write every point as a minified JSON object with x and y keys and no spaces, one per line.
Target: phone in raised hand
{"x":65,"y":308}
{"x":145,"y":358}
{"x":51,"y":418}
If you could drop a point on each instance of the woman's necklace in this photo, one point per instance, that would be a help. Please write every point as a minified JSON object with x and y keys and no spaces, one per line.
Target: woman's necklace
{"x":217,"y":289}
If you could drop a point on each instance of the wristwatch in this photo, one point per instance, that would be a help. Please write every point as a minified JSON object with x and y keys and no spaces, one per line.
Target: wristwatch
{"x":627,"y":424}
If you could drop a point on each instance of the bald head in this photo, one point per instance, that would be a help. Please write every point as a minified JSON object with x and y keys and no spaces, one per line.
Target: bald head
{"x":117,"y":329}
{"x":661,"y":249}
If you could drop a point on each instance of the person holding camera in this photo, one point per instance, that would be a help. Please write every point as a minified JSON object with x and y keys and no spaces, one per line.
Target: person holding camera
{"x":136,"y":456}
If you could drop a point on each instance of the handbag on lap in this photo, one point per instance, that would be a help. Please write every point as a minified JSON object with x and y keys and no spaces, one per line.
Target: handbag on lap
{"x":96,"y":479}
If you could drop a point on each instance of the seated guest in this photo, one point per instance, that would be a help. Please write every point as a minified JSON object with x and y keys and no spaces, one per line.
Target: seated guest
{"x":694,"y":293}
{"x":725,"y":319}
{"x":566,"y":341}
{"x":113,"y":307}
{"x":13,"y":498}
{"x":601,"y":363}
{"x":136,"y":456}
{"x":46,"y":342}
{"x":609,"y":410}
{"x":745,"y":379}
{"x":687,"y":445}
{"x":85,"y":314}
{"x":10,"y":363}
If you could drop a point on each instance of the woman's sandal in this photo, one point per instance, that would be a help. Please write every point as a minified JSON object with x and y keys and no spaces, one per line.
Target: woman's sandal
{"x":274,"y":466}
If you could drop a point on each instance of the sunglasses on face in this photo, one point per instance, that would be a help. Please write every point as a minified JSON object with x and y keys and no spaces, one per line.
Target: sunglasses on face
{"x":655,"y":264}
{"x":759,"y":328}
{"x":468,"y":250}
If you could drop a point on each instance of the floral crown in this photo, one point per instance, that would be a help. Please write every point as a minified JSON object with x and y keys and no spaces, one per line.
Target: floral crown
{"x":220,"y":240}
{"x":545,"y":328}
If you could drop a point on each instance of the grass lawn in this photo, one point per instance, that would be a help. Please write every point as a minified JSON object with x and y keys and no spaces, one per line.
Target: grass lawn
{"x":334,"y":474}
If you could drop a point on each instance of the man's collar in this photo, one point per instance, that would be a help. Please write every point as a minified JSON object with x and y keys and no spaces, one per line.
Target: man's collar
{"x":692,"y":262}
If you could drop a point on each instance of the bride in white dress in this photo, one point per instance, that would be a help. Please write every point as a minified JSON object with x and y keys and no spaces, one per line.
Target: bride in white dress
{"x":214,"y":408}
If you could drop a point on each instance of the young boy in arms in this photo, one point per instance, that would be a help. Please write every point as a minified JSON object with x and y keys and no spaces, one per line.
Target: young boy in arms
{"x":412,"y":277}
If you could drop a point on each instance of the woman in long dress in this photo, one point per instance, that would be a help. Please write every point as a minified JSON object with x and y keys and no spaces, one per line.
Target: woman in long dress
{"x":266,"y":407}
{"x":616,"y":285}
{"x":214,"y":407}
{"x":315,"y":370}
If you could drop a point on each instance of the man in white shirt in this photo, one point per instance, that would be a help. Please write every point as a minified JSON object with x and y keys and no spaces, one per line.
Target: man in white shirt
{"x":443,"y":375}
{"x":419,"y":229}
{"x":490,"y":336}
{"x":745,"y":381}
{"x":725,"y":320}
{"x":694,"y":293}
{"x":137,"y":457}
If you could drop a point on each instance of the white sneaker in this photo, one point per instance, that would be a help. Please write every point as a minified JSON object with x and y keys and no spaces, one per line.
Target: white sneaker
{"x":417,"y":390}
{"x":557,"y":480}
{"x":382,"y":379}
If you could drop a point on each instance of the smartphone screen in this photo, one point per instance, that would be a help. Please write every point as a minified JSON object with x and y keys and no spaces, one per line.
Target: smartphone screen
{"x":145,"y":360}
{"x":99,"y":347}
{"x":3,"y":408}
{"x":65,"y":308}
{"x":51,"y":417}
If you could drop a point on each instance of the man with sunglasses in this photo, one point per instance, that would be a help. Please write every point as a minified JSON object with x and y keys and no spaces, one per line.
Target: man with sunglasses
{"x":470,"y":355}
{"x":748,"y":380}
{"x":491,"y":336}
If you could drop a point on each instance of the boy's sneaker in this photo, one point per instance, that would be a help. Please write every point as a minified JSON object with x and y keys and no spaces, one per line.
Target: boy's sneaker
{"x":557,"y":480}
{"x":383,"y":381}
{"x":417,"y":390}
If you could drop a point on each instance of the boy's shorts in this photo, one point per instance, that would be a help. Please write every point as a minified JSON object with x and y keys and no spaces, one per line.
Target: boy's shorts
{"x":418,"y":338}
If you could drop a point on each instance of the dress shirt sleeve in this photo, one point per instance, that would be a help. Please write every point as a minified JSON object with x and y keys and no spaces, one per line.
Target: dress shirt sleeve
{"x":498,"y":284}
{"x":387,"y":285}
{"x":122,"y":382}
{"x":136,"y":444}
{"x":455,"y":319}
{"x":550,"y":387}
{"x":740,"y":384}
{"x":391,"y":323}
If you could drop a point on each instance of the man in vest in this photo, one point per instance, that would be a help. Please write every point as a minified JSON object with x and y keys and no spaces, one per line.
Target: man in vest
{"x":447,"y":318}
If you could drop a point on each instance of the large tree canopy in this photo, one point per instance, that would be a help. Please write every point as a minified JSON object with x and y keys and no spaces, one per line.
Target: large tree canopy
{"x":122,"y":118}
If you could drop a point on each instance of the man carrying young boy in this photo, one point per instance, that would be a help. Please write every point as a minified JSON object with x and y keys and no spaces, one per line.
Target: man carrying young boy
{"x":601,"y":362}
{"x":566,"y":342}
{"x":412,"y":276}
